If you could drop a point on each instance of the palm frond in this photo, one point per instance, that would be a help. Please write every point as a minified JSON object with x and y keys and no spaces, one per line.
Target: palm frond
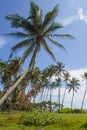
{"x":19,"y":22}
{"x":47,"y":48}
{"x":15,"y":19}
{"x":20,"y":45}
{"x":17,"y":34}
{"x":54,"y":26}
{"x":27,"y":52}
{"x":35,"y":13}
{"x":50,"y":16}
{"x":56,"y":43}
{"x":63,"y":35}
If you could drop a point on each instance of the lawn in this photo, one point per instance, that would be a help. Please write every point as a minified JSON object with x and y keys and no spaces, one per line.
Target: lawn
{"x":14,"y":121}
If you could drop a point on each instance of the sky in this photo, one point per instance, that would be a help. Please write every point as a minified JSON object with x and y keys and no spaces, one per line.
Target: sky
{"x":72,"y":15}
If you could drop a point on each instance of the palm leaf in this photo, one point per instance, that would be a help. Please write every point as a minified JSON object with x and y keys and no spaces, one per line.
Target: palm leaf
{"x":20,"y":45}
{"x":50,"y":16}
{"x":63,"y":35}
{"x":54,"y":26}
{"x":19,"y":22}
{"x":27,"y":52}
{"x":56,"y":43}
{"x":35,"y":13}
{"x":17,"y":34}
{"x":47,"y":48}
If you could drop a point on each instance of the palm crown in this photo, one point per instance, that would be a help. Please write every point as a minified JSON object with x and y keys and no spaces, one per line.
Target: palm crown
{"x":36,"y":31}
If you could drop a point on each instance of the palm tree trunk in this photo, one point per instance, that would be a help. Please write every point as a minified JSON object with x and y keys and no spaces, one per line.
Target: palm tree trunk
{"x":72,"y":100}
{"x":58,"y":100}
{"x":12,"y":88}
{"x":50,"y":99}
{"x":47,"y":93}
{"x":59,"y":96}
{"x":83,"y":98}
{"x":63,"y":97}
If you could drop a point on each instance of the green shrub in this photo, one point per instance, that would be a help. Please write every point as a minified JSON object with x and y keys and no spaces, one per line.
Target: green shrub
{"x":84,"y":125}
{"x":39,"y":118}
{"x":66,"y":110}
{"x":69,"y":110}
{"x":78,"y":111}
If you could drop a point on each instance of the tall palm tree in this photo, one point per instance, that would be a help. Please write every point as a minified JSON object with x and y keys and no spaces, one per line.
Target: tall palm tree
{"x":58,"y":85}
{"x":66,"y":76}
{"x":73,"y":86}
{"x":59,"y":70}
{"x":9,"y":76}
{"x":36,"y":31}
{"x":85,"y":78}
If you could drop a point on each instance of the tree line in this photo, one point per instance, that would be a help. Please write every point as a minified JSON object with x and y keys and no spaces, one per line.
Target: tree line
{"x":37,"y":86}
{"x":21,"y":85}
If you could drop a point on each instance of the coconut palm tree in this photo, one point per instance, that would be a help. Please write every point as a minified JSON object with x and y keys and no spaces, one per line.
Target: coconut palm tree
{"x":36,"y":31}
{"x":66,"y":76}
{"x":58,"y":85}
{"x":59,"y":70}
{"x":73,"y":86}
{"x":85,"y":78}
{"x":9,"y":76}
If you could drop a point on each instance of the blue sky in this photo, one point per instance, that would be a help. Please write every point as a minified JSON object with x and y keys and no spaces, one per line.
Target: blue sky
{"x":72,"y":14}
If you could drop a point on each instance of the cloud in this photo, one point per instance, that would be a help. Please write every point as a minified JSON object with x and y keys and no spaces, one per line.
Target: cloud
{"x":3,"y":41}
{"x":80,"y":15}
{"x":67,"y":21}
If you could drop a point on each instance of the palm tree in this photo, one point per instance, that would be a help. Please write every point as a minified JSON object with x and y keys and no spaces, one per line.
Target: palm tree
{"x":58,"y":85}
{"x":85,"y":78}
{"x":9,"y":76}
{"x":66,"y":76}
{"x":73,"y":86}
{"x":59,"y":70}
{"x":36,"y":31}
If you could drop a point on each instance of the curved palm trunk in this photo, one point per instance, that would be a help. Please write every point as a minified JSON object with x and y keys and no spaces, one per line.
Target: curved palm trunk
{"x":84,"y":97}
{"x":72,"y":100}
{"x":12,"y":88}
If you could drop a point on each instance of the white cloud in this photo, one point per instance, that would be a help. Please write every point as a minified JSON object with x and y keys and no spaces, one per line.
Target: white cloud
{"x":3,"y":41}
{"x":80,"y":15}
{"x":69,"y":20}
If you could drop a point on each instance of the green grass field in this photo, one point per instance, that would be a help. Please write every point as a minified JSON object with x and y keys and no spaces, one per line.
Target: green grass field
{"x":13,"y":121}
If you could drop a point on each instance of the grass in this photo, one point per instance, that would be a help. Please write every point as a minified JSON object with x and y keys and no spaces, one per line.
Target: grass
{"x":14,"y":121}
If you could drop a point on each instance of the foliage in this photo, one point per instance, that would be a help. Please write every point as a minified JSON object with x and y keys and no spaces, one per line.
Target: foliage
{"x":66,"y":110}
{"x":78,"y":111}
{"x":14,"y":121}
{"x":39,"y":118}
{"x":69,"y":110}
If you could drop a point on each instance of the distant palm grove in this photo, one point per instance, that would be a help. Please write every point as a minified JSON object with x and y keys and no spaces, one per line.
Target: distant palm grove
{"x":25,"y":88}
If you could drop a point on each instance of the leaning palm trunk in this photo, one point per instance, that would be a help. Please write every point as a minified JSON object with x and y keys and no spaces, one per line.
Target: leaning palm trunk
{"x":12,"y":88}
{"x":63,"y":98}
{"x":84,"y":96}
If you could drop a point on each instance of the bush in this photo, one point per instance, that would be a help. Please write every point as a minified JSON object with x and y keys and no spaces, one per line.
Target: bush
{"x":66,"y":110}
{"x":78,"y":111}
{"x":39,"y":118}
{"x":69,"y":110}
{"x":84,"y":125}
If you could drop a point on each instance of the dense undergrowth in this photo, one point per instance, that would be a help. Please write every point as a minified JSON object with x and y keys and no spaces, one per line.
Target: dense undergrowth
{"x":40,"y":120}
